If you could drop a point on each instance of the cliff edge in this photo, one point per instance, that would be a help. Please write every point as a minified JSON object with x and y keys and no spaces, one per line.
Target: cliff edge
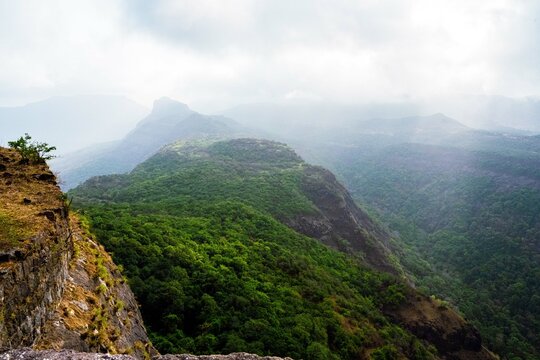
{"x":59,"y":289}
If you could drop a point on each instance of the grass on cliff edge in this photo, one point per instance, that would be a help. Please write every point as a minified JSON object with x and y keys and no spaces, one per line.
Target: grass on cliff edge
{"x":12,"y":231}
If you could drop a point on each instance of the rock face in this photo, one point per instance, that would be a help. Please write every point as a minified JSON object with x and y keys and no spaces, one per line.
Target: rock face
{"x":29,"y":354}
{"x":58,"y":288}
{"x":339,"y":223}
{"x":432,"y":320}
{"x":233,"y":356}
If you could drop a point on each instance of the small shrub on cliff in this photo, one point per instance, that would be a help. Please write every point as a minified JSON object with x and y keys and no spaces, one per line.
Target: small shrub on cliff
{"x":34,"y":152}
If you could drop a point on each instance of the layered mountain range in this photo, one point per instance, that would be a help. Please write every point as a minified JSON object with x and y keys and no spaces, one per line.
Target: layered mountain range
{"x":232,"y":243}
{"x":409,"y":158}
{"x":168,"y":121}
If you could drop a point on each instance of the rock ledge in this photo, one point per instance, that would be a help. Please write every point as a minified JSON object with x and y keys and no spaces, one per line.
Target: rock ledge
{"x":29,"y":354}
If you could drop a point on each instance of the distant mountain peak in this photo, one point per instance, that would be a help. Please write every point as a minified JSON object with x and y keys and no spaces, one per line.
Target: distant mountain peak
{"x":441,"y":116}
{"x":166,"y":106}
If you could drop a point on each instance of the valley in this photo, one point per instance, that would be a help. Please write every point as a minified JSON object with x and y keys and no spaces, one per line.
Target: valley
{"x":235,"y":243}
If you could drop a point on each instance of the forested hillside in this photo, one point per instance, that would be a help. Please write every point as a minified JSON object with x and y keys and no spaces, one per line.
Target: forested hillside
{"x":200,"y":229}
{"x":475,"y":217}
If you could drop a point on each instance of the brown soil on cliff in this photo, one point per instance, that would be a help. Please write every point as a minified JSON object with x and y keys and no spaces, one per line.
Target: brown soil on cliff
{"x":29,"y":198}
{"x":60,"y":289}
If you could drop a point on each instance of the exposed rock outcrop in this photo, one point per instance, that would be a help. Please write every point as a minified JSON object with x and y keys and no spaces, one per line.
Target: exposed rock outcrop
{"x":435,"y":322}
{"x":58,"y":288}
{"x":233,"y":356}
{"x":29,"y":354}
{"x":339,"y":223}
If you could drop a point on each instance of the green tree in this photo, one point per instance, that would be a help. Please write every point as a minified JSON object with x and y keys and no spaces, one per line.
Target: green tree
{"x":34,"y":152}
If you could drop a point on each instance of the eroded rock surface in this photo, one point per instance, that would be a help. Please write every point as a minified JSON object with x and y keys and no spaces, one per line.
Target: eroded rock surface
{"x":59,"y":289}
{"x":29,"y":354}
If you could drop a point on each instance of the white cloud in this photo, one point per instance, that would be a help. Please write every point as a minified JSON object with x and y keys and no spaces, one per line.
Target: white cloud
{"x":215,"y":54}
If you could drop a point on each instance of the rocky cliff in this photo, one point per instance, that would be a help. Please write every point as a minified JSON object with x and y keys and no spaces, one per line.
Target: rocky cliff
{"x":29,"y":354}
{"x":59,"y":289}
{"x":339,"y":223}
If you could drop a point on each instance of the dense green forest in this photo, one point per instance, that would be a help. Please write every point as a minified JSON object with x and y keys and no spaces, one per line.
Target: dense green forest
{"x":215,"y":271}
{"x":470,"y":224}
{"x":223,"y":277}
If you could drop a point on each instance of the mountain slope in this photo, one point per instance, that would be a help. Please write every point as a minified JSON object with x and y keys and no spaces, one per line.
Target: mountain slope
{"x":464,"y":200}
{"x":264,"y":174}
{"x":474,"y":216}
{"x":200,"y":229}
{"x":59,"y":288}
{"x":168,"y":121}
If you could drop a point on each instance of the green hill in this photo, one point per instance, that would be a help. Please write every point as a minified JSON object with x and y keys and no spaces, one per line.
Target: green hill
{"x":223,"y":244}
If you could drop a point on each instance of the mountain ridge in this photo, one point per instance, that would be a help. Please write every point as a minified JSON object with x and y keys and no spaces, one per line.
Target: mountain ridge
{"x":169,"y":120}
{"x":260,"y":174}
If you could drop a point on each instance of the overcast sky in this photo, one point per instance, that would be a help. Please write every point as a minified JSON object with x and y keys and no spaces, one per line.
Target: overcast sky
{"x":213,"y":54}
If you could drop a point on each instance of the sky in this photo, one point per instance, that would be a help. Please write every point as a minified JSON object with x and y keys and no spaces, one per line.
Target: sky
{"x":213,"y":54}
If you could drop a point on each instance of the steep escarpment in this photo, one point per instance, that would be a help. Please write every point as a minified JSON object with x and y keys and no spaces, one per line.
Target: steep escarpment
{"x":339,"y":223}
{"x":265,"y":174}
{"x":58,"y":287}
{"x":473,"y":215}
{"x":435,"y":321}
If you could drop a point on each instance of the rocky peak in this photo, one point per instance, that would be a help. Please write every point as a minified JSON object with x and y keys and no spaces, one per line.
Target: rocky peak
{"x":167,"y":107}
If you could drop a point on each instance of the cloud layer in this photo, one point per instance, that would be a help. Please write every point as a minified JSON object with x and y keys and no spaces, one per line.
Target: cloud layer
{"x":215,"y":54}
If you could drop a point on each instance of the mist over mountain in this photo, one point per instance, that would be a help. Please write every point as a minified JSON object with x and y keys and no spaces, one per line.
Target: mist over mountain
{"x":462,"y":199}
{"x":474,"y":216}
{"x":71,"y":122}
{"x":168,"y":121}
{"x":518,"y":116}
{"x":428,"y":171}
{"x":496,"y":113}
{"x":318,"y":132}
{"x":341,"y":180}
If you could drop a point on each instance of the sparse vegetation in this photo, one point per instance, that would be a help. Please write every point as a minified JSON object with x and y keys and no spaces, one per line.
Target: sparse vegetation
{"x":33,"y":152}
{"x":11,"y":231}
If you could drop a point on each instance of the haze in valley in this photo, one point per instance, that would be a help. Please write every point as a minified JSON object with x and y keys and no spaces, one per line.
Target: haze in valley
{"x":473,"y":61}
